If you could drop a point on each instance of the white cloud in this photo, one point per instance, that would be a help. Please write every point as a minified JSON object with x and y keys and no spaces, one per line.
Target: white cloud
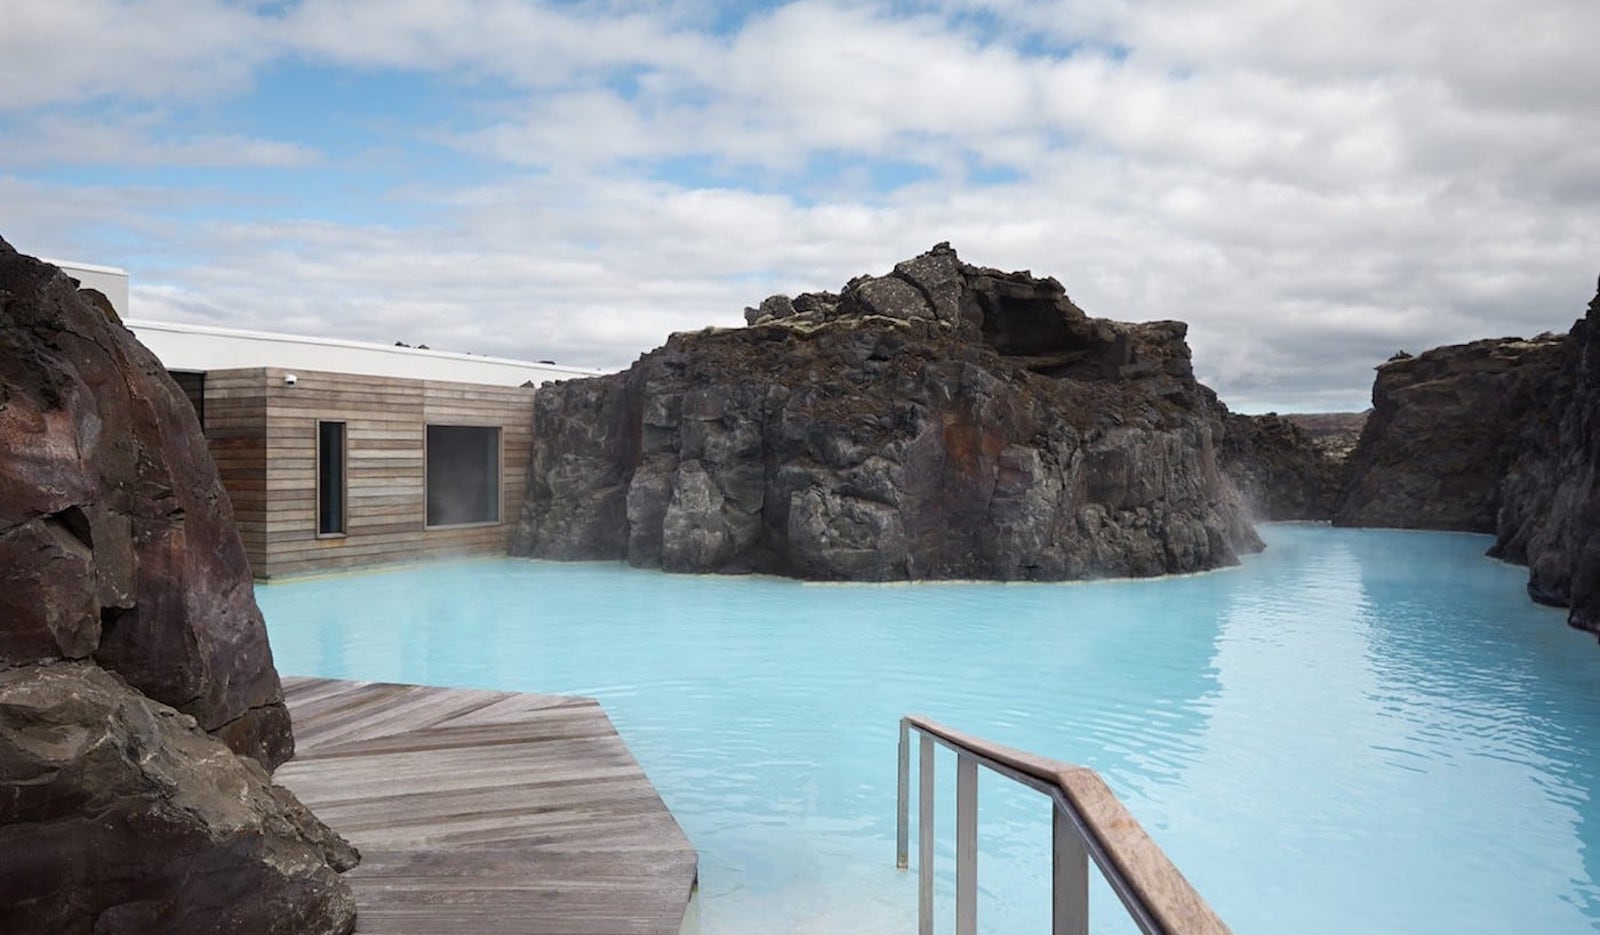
{"x":533,"y":45}
{"x":1311,"y":186}
{"x":141,"y":140}
{"x":54,"y":51}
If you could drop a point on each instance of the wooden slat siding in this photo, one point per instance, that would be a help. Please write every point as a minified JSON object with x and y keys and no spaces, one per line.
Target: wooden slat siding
{"x":1171,"y":900}
{"x":235,"y":427}
{"x":487,"y":812}
{"x":385,"y":420}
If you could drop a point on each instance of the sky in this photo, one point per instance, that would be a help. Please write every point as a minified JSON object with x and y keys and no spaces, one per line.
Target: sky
{"x":1311,"y":185}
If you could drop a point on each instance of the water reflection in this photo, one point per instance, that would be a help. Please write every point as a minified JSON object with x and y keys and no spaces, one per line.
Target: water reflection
{"x":1498,"y":710}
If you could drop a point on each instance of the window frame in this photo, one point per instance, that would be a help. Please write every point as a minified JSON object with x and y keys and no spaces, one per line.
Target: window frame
{"x":343,"y":530}
{"x":499,"y":476}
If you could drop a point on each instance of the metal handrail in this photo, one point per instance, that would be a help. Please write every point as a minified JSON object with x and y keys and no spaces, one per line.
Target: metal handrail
{"x":1088,"y":823}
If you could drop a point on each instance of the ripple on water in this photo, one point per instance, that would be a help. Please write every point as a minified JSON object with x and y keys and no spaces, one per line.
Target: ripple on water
{"x":1354,"y":731}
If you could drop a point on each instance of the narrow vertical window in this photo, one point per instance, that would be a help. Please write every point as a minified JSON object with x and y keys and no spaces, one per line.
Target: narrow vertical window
{"x":330,"y":479}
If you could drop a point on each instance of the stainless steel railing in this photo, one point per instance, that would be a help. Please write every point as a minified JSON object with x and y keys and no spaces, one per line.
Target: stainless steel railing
{"x":1088,"y":823}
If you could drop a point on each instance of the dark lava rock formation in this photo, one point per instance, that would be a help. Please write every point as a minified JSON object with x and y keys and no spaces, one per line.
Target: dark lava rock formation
{"x":1497,"y":436}
{"x":1445,"y":427}
{"x":1281,"y":470}
{"x":1549,"y":516}
{"x":120,"y":815}
{"x":139,"y":706}
{"x":942,"y":421}
{"x":117,"y":540}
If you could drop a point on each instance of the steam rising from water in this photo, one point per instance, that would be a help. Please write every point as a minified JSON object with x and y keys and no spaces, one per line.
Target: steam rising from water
{"x":1355,"y":731}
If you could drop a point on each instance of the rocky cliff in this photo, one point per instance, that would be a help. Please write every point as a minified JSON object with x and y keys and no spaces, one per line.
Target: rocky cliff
{"x":1497,"y":436}
{"x":941,"y":421}
{"x":1281,"y":470}
{"x":1444,"y":429}
{"x":1549,"y":497}
{"x":139,"y":706}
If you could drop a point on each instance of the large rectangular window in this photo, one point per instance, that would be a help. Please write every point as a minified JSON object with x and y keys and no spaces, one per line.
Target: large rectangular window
{"x":330,"y":479}
{"x":463,"y":475}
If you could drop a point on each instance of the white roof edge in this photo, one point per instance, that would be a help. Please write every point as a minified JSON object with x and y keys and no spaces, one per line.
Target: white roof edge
{"x":184,"y":328}
{"x":91,"y":267}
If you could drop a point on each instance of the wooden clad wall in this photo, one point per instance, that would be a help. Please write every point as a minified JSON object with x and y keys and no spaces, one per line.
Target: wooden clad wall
{"x":385,"y":433}
{"x":236,"y":432}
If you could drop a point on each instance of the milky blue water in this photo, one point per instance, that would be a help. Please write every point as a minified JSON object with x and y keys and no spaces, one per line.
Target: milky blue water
{"x":1356,"y":731}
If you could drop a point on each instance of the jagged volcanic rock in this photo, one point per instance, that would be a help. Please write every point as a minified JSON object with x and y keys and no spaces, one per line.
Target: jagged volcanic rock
{"x":1549,"y":516}
{"x":134,"y":802}
{"x":119,"y":815}
{"x":1498,"y":436}
{"x":1444,"y":428}
{"x":1279,"y":468}
{"x":117,"y":540}
{"x":943,"y":421}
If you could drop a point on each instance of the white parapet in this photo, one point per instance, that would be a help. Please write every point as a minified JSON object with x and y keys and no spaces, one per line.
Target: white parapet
{"x":203,"y":348}
{"x":110,"y":280}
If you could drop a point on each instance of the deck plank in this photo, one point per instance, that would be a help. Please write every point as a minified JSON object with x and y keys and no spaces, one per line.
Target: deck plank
{"x":487,"y":812}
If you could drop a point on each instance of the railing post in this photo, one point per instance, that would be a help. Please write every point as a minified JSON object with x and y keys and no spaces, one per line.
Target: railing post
{"x":902,"y":804}
{"x":1069,"y":865}
{"x":1087,"y":823}
{"x":966,"y":845}
{"x":925,"y":837}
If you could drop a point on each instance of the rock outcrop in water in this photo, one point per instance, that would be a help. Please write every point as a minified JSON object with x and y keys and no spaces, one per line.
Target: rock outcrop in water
{"x":942,"y":421}
{"x":1444,"y":429}
{"x":1549,"y":498}
{"x":139,"y":706}
{"x":1497,"y":436}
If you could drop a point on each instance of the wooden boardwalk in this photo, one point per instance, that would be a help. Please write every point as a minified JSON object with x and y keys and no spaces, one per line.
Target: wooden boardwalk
{"x":483,"y":812}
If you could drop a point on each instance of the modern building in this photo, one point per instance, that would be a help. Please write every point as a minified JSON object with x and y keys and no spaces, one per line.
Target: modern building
{"x":342,"y":453}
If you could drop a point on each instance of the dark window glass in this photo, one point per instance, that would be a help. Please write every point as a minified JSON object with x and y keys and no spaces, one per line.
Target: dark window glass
{"x":463,"y":475}
{"x":194,"y":387}
{"x":330,"y":478}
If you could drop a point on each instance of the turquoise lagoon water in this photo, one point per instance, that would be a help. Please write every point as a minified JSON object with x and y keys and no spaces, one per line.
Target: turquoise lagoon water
{"x":1355,"y":731}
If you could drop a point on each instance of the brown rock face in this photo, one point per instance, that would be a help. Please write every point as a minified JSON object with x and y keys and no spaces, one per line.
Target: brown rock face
{"x":135,"y":801}
{"x":1445,"y":426}
{"x":122,"y":816}
{"x":943,"y":421}
{"x":116,"y":537}
{"x":1549,"y":514}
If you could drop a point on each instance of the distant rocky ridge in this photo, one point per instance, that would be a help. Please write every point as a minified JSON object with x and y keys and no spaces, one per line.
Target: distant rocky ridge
{"x":1334,"y":433}
{"x":1496,"y":436}
{"x":1282,"y":470}
{"x":941,"y":421}
{"x":139,"y":706}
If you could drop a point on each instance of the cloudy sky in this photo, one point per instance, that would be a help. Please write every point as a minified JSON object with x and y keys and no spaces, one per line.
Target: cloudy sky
{"x":1311,"y":185}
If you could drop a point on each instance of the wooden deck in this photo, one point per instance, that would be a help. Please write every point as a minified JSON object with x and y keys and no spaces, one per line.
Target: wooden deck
{"x":482,"y":812}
